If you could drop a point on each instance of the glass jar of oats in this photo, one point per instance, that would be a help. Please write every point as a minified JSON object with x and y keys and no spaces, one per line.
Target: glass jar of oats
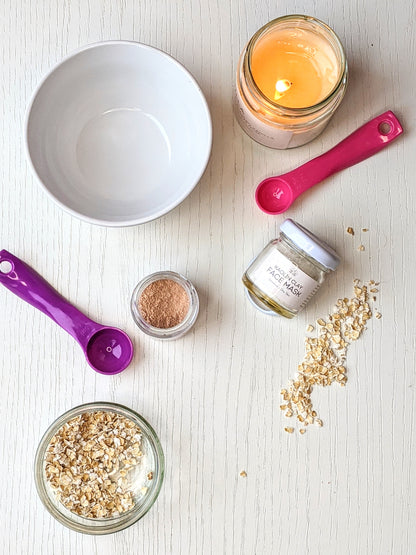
{"x":99,"y":468}
{"x":289,"y":270}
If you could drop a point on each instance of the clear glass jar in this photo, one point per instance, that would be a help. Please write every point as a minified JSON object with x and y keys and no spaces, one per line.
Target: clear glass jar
{"x":146,"y":489}
{"x":289,"y":270}
{"x":165,"y":333}
{"x":273,"y":124}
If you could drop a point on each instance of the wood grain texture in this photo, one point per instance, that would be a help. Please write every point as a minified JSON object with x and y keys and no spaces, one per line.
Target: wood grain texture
{"x":213,"y":396}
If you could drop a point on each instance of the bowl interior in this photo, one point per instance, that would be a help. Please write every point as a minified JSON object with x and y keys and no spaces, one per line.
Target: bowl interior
{"x":119,"y":133}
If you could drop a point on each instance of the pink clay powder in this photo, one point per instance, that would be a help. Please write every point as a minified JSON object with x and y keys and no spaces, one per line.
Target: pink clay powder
{"x":164,"y":303}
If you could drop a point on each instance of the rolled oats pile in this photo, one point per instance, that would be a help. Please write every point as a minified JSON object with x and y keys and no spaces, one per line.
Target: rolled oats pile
{"x":90,"y":463}
{"x":325,"y":355}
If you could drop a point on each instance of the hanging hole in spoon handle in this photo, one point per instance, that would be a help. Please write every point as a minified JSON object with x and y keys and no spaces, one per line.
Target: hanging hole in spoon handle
{"x":389,"y":126}
{"x":6,"y":267}
{"x":384,"y":128}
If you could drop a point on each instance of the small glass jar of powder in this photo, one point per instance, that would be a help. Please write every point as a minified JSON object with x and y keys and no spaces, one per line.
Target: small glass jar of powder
{"x":165,"y":305}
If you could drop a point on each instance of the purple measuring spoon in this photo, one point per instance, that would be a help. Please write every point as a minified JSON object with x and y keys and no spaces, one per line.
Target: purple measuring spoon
{"x":275,"y":195}
{"x":107,"y":350}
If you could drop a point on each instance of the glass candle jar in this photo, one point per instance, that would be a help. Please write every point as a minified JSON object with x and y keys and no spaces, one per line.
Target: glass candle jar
{"x":291,"y":77}
{"x":289,"y":270}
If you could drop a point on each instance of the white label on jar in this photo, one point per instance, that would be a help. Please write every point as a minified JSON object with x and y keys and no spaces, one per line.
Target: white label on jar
{"x":270,"y":135}
{"x":259,"y":131}
{"x":282,"y":281}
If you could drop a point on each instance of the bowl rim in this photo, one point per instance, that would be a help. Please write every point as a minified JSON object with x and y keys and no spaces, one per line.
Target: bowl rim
{"x":110,"y":525}
{"x":133,"y":221}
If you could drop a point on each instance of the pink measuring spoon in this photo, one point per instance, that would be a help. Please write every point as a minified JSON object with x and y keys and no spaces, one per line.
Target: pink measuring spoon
{"x":275,"y":195}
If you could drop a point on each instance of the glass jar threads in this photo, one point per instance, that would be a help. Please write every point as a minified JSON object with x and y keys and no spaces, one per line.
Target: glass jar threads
{"x":291,"y":77}
{"x":289,"y":270}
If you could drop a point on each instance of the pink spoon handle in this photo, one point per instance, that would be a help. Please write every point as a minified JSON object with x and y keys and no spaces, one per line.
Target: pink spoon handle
{"x":363,"y":143}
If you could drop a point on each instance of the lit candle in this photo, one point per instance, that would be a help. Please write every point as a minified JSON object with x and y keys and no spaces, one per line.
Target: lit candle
{"x":281,"y":87}
{"x":291,"y":77}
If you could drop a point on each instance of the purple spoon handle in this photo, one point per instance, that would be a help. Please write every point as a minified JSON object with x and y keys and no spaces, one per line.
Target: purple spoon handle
{"x":363,"y":143}
{"x":27,"y":284}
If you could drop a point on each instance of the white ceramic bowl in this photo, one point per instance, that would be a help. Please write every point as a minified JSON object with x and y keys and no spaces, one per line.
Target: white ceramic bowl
{"x":119,"y":133}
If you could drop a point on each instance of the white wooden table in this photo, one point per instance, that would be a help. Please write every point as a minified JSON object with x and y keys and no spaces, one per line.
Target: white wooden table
{"x":213,"y":396}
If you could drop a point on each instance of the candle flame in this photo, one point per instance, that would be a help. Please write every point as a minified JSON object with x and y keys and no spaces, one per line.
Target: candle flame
{"x":282,"y":86}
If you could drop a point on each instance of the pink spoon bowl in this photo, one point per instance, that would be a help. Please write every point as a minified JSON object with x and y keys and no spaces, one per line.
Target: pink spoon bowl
{"x":276,"y":194}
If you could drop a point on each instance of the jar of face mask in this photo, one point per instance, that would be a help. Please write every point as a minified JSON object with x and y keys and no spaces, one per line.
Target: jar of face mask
{"x":289,"y":270}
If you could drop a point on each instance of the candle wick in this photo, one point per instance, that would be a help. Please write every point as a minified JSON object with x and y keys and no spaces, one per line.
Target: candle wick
{"x":282,"y":86}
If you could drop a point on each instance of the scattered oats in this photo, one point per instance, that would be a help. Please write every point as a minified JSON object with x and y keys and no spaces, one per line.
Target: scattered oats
{"x":374,"y":290}
{"x":289,"y":430}
{"x":350,"y":230}
{"x":144,"y":490}
{"x":243,"y":474}
{"x":325,"y":355}
{"x":88,"y":463}
{"x":310,"y":328}
{"x":150,"y":476}
{"x":365,"y":229}
{"x":361,"y":248}
{"x":378,"y":315}
{"x":374,"y":299}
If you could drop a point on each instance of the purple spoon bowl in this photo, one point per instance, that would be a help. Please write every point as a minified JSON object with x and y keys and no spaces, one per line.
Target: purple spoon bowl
{"x":108,"y":350}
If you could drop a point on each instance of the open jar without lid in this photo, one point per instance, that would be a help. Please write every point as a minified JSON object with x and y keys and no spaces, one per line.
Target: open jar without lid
{"x":165,"y":305}
{"x":289,"y":270}
{"x":57,"y":456}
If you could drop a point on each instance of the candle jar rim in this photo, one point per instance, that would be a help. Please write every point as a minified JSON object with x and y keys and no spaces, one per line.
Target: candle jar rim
{"x":273,"y":105}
